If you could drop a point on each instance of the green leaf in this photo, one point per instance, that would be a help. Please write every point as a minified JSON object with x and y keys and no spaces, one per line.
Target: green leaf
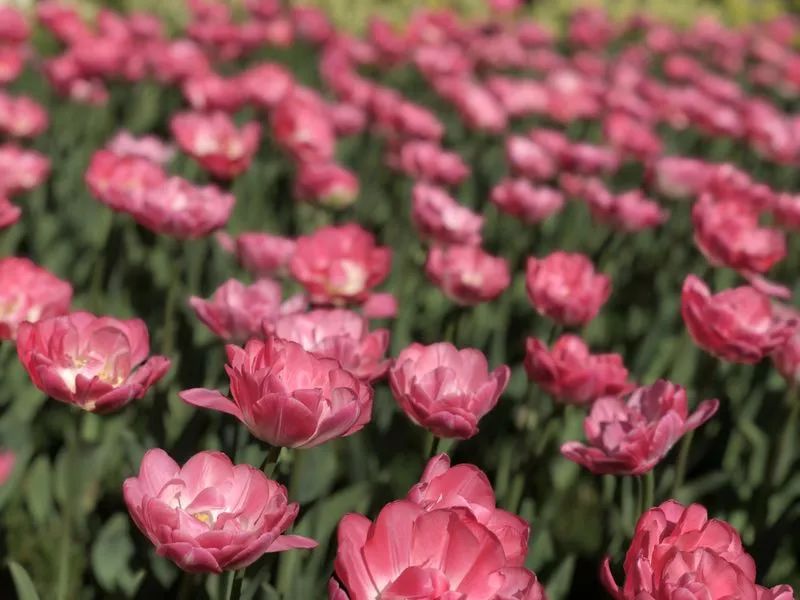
{"x":38,"y":490}
{"x":22,"y":582}
{"x":559,"y":584}
{"x":111,"y":552}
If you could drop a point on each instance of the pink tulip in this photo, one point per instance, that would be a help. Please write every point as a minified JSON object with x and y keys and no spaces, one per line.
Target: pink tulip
{"x":237,"y":312}
{"x":347,"y":118}
{"x":380,"y":306}
{"x":428,"y":162}
{"x":7,"y":460}
{"x":14,"y":28}
{"x":99,"y":364}
{"x":21,"y":117}
{"x":738,"y":325}
{"x":311,"y":24}
{"x":177,"y":60}
{"x":518,"y":97}
{"x":339,"y":334}
{"x":148,"y":147}
{"x":531,"y":204}
{"x":467,"y":274}
{"x":446,"y":390}
{"x":565,"y":287}
{"x":266,"y":84}
{"x":207,"y":91}
{"x":679,"y":178}
{"x":287,"y":396}
{"x":529,"y":159}
{"x":121,"y":181}
{"x":440,"y":218}
{"x":327,"y":184}
{"x":678,"y":552}
{"x":9,"y":213}
{"x":569,"y":373}
{"x":29,"y":293}
{"x":210,"y":515}
{"x":630,"y":436}
{"x":264,"y":254}
{"x":62,"y":20}
{"x":629,"y":211}
{"x":409,"y":552}
{"x":786,"y":357}
{"x":301,"y":125}
{"x":632,"y":137}
{"x":12,"y":62}
{"x":339,"y":264}
{"x":466,"y":486}
{"x":21,"y":170}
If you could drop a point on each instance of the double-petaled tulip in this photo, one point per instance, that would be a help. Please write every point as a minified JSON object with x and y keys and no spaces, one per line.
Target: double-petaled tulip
{"x":467,"y":274}
{"x":678,"y":553}
{"x":121,"y":181}
{"x":429,"y":162}
{"x":326,"y":183}
{"x":409,"y":552}
{"x":21,"y":170}
{"x":571,"y":374}
{"x":531,"y":204}
{"x":466,"y":486}
{"x":264,"y":254}
{"x":565,"y":287}
{"x":148,"y":146}
{"x":210,"y":515}
{"x":237,"y":312}
{"x":340,"y":334}
{"x":529,"y":159}
{"x":680,"y":177}
{"x":99,"y":364}
{"x":630,"y":436}
{"x":7,"y":460}
{"x":739,"y":325}
{"x":301,"y":125}
{"x":29,"y":293}
{"x":287,"y":396}
{"x":216,"y":143}
{"x":446,"y":390}
{"x":21,"y":117}
{"x":441,"y":219}
{"x":341,"y":264}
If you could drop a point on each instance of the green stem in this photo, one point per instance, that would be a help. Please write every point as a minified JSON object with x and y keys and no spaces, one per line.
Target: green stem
{"x":64,"y":569}
{"x":168,"y":332}
{"x":272,"y":458}
{"x":238,"y":582}
{"x":785,"y":451}
{"x":683,"y":459}
{"x":648,"y":498}
{"x":187,"y":586}
{"x":429,"y":451}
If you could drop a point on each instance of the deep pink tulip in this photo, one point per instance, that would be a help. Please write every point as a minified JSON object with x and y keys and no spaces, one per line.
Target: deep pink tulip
{"x":311,"y":24}
{"x":466,"y":486}
{"x":62,"y":20}
{"x":570,"y":374}
{"x":678,"y":553}
{"x":630,"y":436}
{"x":340,"y":334}
{"x":678,"y":177}
{"x":477,"y":106}
{"x":571,"y":96}
{"x":14,"y":28}
{"x":121,"y":181}
{"x":287,"y":396}
{"x":149,"y":147}
{"x":529,"y":203}
{"x":738,"y":325}
{"x":340,"y":264}
{"x":266,"y":84}
{"x":21,"y":170}
{"x":428,"y":162}
{"x":326,"y":183}
{"x":236,"y":312}
{"x":441,"y":219}
{"x":446,"y":390}
{"x":9,"y":213}
{"x":565,"y":287}
{"x":529,"y":159}
{"x":21,"y":117}
{"x":301,"y":125}
{"x":786,"y":209}
{"x":7,"y":460}
{"x":207,"y":91}
{"x":99,"y":364}
{"x":408,"y":552}
{"x":210,"y":515}
{"x":29,"y":293}
{"x":467,"y":274}
{"x":264,"y":254}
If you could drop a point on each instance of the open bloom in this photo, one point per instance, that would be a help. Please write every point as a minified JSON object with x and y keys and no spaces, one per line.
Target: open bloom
{"x":467,"y":274}
{"x":340,"y":334}
{"x":301,"y":124}
{"x":326,"y":183}
{"x":739,"y":325}
{"x":21,"y":170}
{"x":678,"y":553}
{"x":565,"y":287}
{"x":409,"y":552}
{"x":569,"y":373}
{"x":21,"y":117}
{"x":120,"y":181}
{"x":29,"y":293}
{"x":99,"y":364}
{"x":264,"y":254}
{"x":216,"y":143}
{"x":531,"y":204}
{"x":237,"y":312}
{"x":339,"y":264}
{"x":210,"y":515}
{"x":440,"y":218}
{"x":287,"y":396}
{"x":444,"y":389}
{"x":630,"y":436}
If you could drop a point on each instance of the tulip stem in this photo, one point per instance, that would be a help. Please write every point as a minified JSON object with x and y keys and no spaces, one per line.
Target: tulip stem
{"x":272,"y":458}
{"x":238,"y":581}
{"x":430,"y":446}
{"x":782,"y":461}
{"x":648,"y":497}
{"x":71,"y":446}
{"x":683,"y":459}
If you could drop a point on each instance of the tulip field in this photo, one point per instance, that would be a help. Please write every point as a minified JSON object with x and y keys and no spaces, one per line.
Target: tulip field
{"x":455,"y":308}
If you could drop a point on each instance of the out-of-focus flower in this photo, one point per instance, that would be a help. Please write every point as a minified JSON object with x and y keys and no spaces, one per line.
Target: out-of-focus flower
{"x":264,"y":254}
{"x":13,"y":26}
{"x":326,"y":183}
{"x":446,"y":390}
{"x":12,"y":61}
{"x":565,"y":287}
{"x":428,"y":162}
{"x":266,"y":84}
{"x":287,"y":396}
{"x":570,"y":374}
{"x":7,"y":460}
{"x":311,"y":24}
{"x":680,"y":177}
{"x":631,"y":137}
{"x":340,"y":334}
{"x":786,"y":209}
{"x":630,"y":436}
{"x":62,"y":21}
{"x":475,"y":104}
{"x":571,"y":96}
{"x":121,"y":181}
{"x":67,"y":78}
{"x":21,"y":170}
{"x":382,"y":305}
{"x":467,"y":274}
{"x":440,"y":218}
{"x":176,"y":60}
{"x":786,"y":357}
{"x":590,"y":27}
{"x":347,"y":118}
{"x":98,"y":364}
{"x":237,"y":312}
{"x":529,"y":159}
{"x":678,"y":552}
{"x":29,"y":293}
{"x":21,"y":117}
{"x":409,"y":552}
{"x":629,"y":211}
{"x":519,"y":97}
{"x":210,"y":515}
{"x":340,"y":264}
{"x":531,"y":204}
{"x":301,"y":125}
{"x":505,"y":5}
{"x":207,"y":91}
{"x":9,"y":213}
{"x":738,"y":325}
{"x":149,"y":147}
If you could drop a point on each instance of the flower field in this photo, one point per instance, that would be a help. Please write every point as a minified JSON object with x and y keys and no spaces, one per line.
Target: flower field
{"x":456,"y":308}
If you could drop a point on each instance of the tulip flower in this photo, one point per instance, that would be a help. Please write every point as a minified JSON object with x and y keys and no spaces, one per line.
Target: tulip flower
{"x":210,"y":515}
{"x":264,"y":254}
{"x":679,"y":178}
{"x":7,"y":460}
{"x":630,"y":436}
{"x":21,"y":117}
{"x":121,"y":181}
{"x":266,"y":84}
{"x":326,"y":183}
{"x":204,"y":90}
{"x":446,"y":390}
{"x":301,"y":125}
{"x":148,"y":146}
{"x":428,"y":162}
{"x":98,"y":364}
{"x":678,"y":552}
{"x":287,"y":396}
{"x":440,"y":218}
{"x":21,"y":170}
{"x":521,"y":199}
{"x":380,"y":306}
{"x":529,"y":159}
{"x":9,"y":213}
{"x":467,"y":274}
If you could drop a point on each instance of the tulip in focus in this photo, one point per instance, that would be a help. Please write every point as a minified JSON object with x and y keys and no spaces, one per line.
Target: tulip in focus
{"x":630,"y":436}
{"x":210,"y":515}
{"x":440,"y":218}
{"x":98,"y":364}
{"x":467,"y":274}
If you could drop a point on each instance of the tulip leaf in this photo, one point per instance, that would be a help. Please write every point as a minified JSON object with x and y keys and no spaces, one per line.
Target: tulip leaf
{"x":111,"y":551}
{"x":22,"y":582}
{"x":559,"y":583}
{"x":38,"y":490}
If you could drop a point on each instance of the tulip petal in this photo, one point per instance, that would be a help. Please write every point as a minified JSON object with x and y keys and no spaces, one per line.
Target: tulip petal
{"x":212,"y":399}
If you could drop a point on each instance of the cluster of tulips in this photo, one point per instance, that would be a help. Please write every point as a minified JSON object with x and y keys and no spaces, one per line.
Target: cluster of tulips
{"x":309,"y":338}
